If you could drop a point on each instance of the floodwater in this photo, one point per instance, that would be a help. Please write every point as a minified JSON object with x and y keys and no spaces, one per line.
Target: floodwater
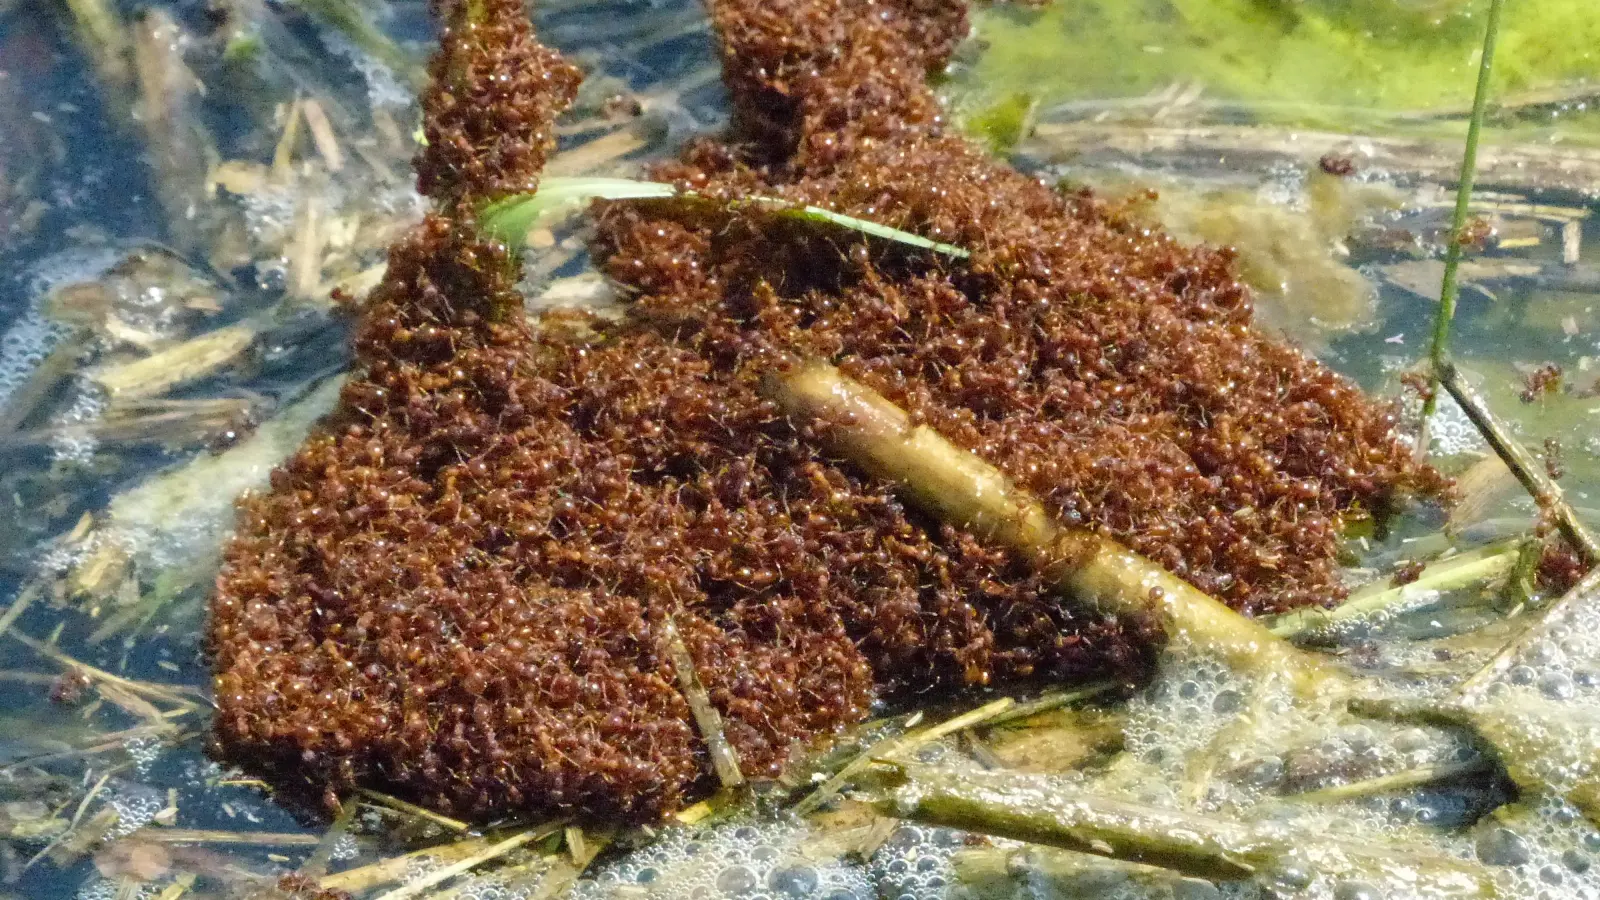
{"x":182,"y":184}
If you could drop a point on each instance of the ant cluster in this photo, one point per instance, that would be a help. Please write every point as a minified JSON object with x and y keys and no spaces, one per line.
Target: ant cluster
{"x":462,"y":588}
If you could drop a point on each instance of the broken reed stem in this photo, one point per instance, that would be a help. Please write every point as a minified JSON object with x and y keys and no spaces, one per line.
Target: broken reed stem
{"x":315,"y":865}
{"x":724,"y":759}
{"x":1374,"y":600}
{"x":890,"y":747}
{"x":1048,"y":702}
{"x":1583,"y":592}
{"x":439,"y":876}
{"x":1440,"y":351}
{"x":1040,"y":810}
{"x":1399,"y":781}
{"x":962,"y":489}
{"x":1546,"y":493}
{"x":395,"y":804}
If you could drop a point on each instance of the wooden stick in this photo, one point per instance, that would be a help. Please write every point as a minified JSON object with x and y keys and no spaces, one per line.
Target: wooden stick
{"x":1528,"y":471}
{"x":962,"y":489}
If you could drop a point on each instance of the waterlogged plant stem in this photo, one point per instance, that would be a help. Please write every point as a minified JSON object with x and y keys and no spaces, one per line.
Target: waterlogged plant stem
{"x":724,"y":759}
{"x":1546,"y":493}
{"x":1041,"y":810}
{"x":1468,"y":568}
{"x":1448,"y":291}
{"x":903,"y":743}
{"x":967,"y":492}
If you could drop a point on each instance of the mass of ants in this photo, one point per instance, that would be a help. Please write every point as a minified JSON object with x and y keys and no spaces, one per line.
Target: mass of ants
{"x":459,"y":590}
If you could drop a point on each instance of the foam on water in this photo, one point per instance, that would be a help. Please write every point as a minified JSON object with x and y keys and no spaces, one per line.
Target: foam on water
{"x":746,"y":860}
{"x":31,"y":335}
{"x":1253,"y":745}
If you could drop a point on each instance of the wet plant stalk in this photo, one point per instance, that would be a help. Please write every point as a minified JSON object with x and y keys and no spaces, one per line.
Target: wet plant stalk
{"x":1546,"y":493}
{"x":724,"y":759}
{"x":965,"y":491}
{"x":1440,"y":351}
{"x":1040,"y":810}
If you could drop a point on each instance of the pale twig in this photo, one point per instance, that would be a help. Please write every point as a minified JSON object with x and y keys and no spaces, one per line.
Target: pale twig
{"x":967,"y":492}
{"x":1406,"y":779}
{"x":890,"y":747}
{"x":411,"y":809}
{"x":1442,"y":575}
{"x":724,"y":759}
{"x":1546,"y":493}
{"x":439,"y":876}
{"x":1046,"y":703}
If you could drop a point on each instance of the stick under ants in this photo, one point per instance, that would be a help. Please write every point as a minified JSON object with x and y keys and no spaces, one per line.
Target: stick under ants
{"x":962,"y":489}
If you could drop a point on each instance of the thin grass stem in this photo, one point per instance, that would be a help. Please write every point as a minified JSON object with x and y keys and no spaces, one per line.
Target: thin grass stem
{"x":1440,"y":351}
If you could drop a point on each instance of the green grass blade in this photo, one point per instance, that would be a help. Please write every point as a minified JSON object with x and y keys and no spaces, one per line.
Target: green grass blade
{"x":510,"y":219}
{"x":818,"y":214}
{"x":1439,"y":353}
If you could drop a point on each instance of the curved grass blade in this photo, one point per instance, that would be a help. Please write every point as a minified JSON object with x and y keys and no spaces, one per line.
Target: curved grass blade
{"x":818,"y":214}
{"x":509,"y":219}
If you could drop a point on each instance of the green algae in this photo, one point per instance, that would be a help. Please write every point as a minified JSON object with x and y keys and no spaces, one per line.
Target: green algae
{"x":1323,"y":63}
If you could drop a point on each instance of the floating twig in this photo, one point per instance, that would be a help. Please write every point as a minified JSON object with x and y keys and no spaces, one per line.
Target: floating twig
{"x":890,"y":747}
{"x":1050,"y":701}
{"x":439,"y":876}
{"x":191,"y":360}
{"x":1529,"y":471}
{"x":724,"y":759}
{"x":967,"y":492}
{"x":1454,"y":572}
{"x":1406,"y":779}
{"x":1040,"y":810}
{"x":411,"y":809}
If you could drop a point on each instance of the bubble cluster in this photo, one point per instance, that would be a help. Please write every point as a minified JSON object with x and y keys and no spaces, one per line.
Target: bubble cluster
{"x":24,"y":346}
{"x":136,"y":805}
{"x":1543,"y":849}
{"x":756,"y":861}
{"x":914,"y":863}
{"x":72,"y":443}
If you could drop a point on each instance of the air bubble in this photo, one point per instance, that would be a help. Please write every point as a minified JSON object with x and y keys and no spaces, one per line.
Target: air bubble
{"x":1556,"y":686}
{"x":793,"y":881}
{"x":1227,"y":702}
{"x":736,"y":880}
{"x":1502,"y":847}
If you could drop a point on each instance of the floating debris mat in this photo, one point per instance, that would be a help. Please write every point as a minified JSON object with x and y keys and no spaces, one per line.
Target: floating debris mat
{"x":470,"y":586}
